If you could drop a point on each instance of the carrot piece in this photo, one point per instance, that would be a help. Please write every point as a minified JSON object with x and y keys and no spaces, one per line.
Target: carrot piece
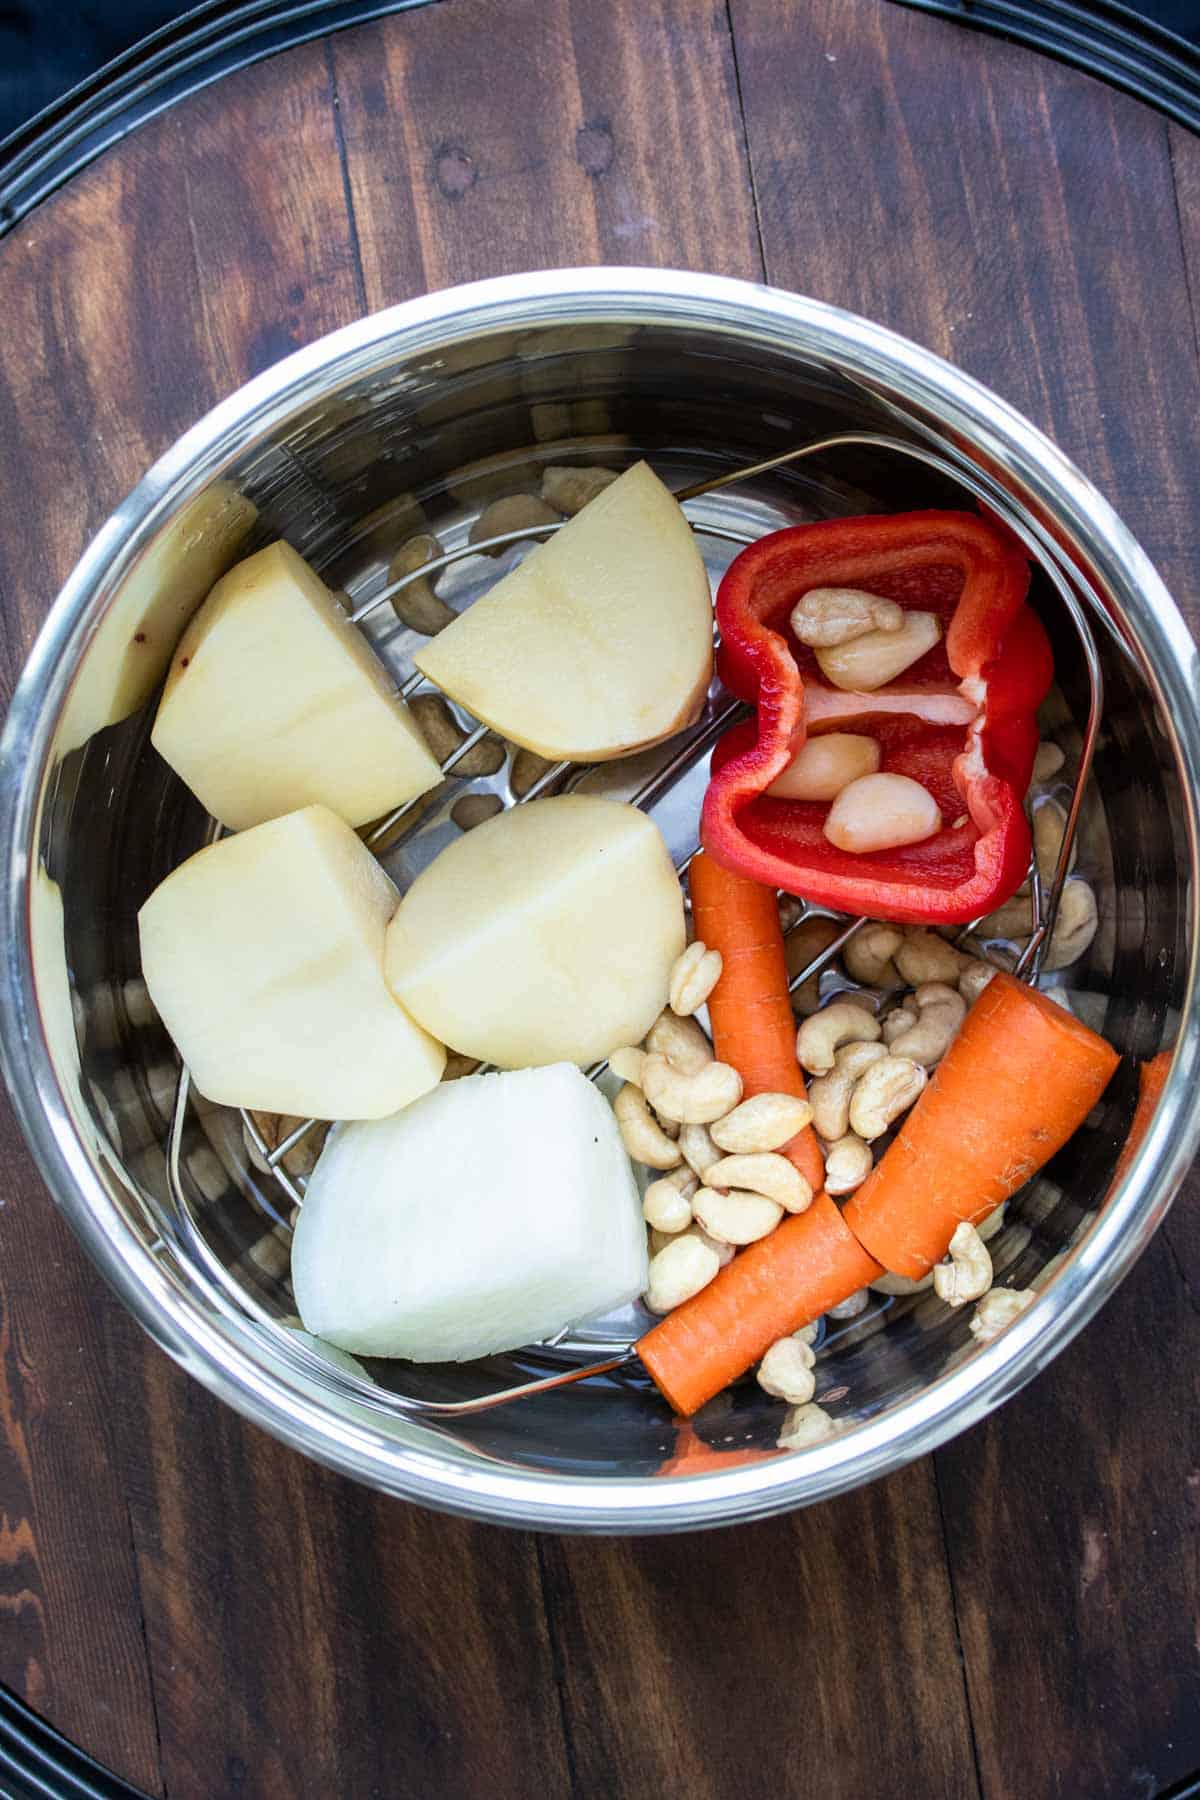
{"x":809,"y":1263}
{"x":750,"y":1008}
{"x":1152,"y":1078}
{"x":1019,"y":1078}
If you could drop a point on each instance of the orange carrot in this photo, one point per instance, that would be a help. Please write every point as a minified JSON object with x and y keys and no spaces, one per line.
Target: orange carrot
{"x":1019,"y":1078}
{"x":1152,"y":1078}
{"x":750,"y":1008}
{"x":692,"y":1456}
{"x":809,"y":1263}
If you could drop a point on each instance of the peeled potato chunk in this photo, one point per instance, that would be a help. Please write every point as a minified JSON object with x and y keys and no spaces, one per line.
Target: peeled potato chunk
{"x":489,"y":1215}
{"x":275,"y":701}
{"x":599,"y":642}
{"x":264,"y":956}
{"x":545,"y":935}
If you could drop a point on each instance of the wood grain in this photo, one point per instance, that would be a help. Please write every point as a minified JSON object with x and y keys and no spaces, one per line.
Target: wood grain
{"x":814,"y":1654}
{"x":1071,"y":1519}
{"x":310,"y":1639}
{"x":1014,"y":1619}
{"x":571,"y":134}
{"x":71,"y":1637}
{"x":272,"y":246}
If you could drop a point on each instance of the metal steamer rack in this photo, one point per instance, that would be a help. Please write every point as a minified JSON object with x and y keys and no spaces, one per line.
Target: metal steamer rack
{"x":1047,"y":555}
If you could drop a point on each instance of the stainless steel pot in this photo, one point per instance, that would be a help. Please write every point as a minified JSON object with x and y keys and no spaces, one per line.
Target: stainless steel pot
{"x":415,"y":418}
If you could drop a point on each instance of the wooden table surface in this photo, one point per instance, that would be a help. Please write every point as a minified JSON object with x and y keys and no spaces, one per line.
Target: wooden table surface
{"x":198,"y":1607}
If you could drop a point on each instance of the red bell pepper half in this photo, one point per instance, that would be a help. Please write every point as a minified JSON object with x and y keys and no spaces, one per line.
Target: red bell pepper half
{"x":962,"y":720}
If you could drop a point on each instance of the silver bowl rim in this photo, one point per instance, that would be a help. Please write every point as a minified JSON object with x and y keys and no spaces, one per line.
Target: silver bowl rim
{"x":233,"y":1356}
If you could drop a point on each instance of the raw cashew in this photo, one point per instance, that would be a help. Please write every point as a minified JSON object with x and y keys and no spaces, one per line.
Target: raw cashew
{"x":825,"y":765}
{"x":681,"y":1041}
{"x":416,"y":605}
{"x":627,"y":1064}
{"x":1048,"y":761}
{"x":829,"y":1095}
{"x":764,"y":1122}
{"x":831,"y":615}
{"x":940,"y":1012}
{"x":765,"y":1173}
{"x":696,"y":1099}
{"x":897,"y":1022}
{"x":801,"y":944}
{"x":852,"y":1305}
{"x":868,"y":954}
{"x":724,"y":1252}
{"x":998,"y":1308}
{"x":881,"y":812}
{"x":569,"y":490}
{"x":1074,"y":928}
{"x":736,"y":1217}
{"x":699,"y":1151}
{"x":848,"y":1162}
{"x":528,"y":767}
{"x":819,"y":1038}
{"x":974,"y":978}
{"x":1012,"y":920}
{"x":694,"y":975}
{"x":867,"y":662}
{"x":642,"y":1135}
{"x":678,"y":1271}
{"x":805,"y":1425}
{"x":1049,"y":829}
{"x":808,"y":1334}
{"x":470,"y":810}
{"x":887,"y":1089}
{"x":443,"y":734}
{"x":786,"y":1372}
{"x":924,"y":956}
{"x":900,"y":1285}
{"x":515,"y":512}
{"x":967,"y":1275}
{"x":667,"y":1203}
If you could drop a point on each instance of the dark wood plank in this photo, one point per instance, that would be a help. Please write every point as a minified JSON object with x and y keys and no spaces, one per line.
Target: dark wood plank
{"x":1071,"y":1518}
{"x":81,"y":416}
{"x":71,"y":1642}
{"x":272,"y":247}
{"x":1010,"y":211}
{"x":312,"y":1639}
{"x":814,"y":1654}
{"x":1184,"y":149}
{"x":569,"y":134}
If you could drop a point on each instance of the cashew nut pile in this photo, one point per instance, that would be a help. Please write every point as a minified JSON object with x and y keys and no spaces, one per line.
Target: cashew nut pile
{"x":721,"y":1182}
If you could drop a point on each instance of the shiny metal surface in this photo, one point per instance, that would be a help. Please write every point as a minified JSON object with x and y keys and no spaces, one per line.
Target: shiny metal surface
{"x":413,"y":420}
